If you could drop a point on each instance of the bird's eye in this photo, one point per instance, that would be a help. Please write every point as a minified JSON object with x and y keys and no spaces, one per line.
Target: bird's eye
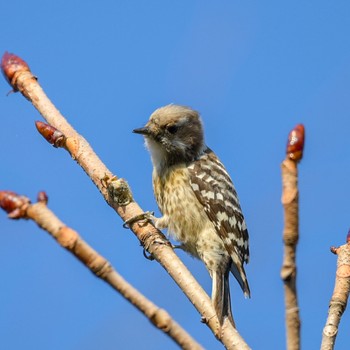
{"x":172,"y":129}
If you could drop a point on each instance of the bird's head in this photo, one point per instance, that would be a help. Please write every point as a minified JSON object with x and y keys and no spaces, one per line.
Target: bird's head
{"x":173,"y":134}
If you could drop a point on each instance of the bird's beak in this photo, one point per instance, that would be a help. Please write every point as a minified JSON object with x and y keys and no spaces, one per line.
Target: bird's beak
{"x":142,"y":131}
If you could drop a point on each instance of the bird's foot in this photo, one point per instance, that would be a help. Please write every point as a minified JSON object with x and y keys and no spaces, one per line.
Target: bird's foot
{"x":143,"y":217}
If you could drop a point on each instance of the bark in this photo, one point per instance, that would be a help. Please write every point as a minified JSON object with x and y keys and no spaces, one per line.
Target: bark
{"x":339,"y":298}
{"x":290,"y":199}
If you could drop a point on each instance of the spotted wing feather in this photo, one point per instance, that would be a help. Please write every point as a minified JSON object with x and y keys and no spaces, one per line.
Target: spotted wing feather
{"x":214,"y":189}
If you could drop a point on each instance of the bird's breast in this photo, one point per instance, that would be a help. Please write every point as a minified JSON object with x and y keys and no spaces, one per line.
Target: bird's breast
{"x":177,"y":201}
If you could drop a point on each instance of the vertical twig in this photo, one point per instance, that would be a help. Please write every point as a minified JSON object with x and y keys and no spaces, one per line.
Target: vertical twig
{"x":340,"y":295}
{"x":290,"y":201}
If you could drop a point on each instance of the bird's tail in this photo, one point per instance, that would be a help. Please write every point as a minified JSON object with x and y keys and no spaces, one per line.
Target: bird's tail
{"x":221,"y":296}
{"x":239,"y":273}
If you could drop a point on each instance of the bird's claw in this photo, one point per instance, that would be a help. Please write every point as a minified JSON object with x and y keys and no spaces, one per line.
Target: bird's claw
{"x":149,"y":256}
{"x":204,"y":319}
{"x":145,"y":217}
{"x":177,"y":246}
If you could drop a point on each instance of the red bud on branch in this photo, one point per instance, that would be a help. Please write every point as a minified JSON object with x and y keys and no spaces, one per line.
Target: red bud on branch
{"x":14,"y":204}
{"x":51,"y":134}
{"x":295,"y":144}
{"x":348,"y":237}
{"x":12,"y":64}
{"x":42,"y":197}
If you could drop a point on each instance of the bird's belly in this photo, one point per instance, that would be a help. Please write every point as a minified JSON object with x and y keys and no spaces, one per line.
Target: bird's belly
{"x":187,"y":221}
{"x":187,"y":218}
{"x":190,"y":225}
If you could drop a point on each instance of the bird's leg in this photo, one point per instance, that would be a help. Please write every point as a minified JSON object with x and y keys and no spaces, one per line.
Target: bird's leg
{"x":161,"y":223}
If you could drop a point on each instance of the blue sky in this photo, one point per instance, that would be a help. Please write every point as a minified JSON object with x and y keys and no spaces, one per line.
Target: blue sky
{"x":254,"y":70}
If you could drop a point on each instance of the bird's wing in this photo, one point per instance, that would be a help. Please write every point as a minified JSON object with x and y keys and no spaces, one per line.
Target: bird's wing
{"x":214,"y":189}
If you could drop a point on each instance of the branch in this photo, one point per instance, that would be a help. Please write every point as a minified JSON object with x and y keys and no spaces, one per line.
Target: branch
{"x":118,"y":195}
{"x":20,"y":207}
{"x":290,"y":199}
{"x":340,"y":295}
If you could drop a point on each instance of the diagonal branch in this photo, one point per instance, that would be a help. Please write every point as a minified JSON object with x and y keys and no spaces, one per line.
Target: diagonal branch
{"x":290,"y":201}
{"x":340,"y":295}
{"x":19,"y":207}
{"x":118,"y":195}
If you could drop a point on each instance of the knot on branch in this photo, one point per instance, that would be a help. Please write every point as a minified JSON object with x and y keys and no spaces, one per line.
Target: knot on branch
{"x":161,"y":319}
{"x":290,"y":238}
{"x":287,"y":272}
{"x":100,"y":267}
{"x":67,"y":237}
{"x":337,"y":302}
{"x":334,"y":250}
{"x":119,"y":191}
{"x":343,"y":271}
{"x":330,"y":330}
{"x":343,"y":262}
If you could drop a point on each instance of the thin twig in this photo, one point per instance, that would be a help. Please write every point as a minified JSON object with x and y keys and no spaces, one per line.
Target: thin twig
{"x":340,"y":296}
{"x":98,"y":265}
{"x":117,"y":194}
{"x":290,"y":199}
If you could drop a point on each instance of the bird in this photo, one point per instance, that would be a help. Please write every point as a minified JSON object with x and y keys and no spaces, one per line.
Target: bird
{"x":198,"y":201}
